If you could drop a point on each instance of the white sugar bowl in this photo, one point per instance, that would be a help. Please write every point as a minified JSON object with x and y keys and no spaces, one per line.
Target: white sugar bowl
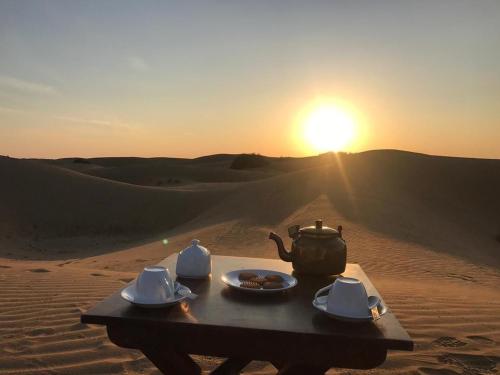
{"x":194,"y":262}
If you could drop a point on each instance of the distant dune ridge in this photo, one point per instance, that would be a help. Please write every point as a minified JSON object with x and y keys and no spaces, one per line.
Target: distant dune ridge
{"x":425,"y":228}
{"x":409,"y":196}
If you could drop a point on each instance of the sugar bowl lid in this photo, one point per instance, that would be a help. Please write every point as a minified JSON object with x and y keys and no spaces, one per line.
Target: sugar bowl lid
{"x":194,"y":261}
{"x":196,"y":248}
{"x":319,"y":230}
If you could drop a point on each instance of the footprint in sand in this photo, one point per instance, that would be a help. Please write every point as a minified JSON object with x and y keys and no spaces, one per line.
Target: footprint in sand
{"x":39,"y":270}
{"x":16,"y":348}
{"x":469,"y":363}
{"x":436,"y":371}
{"x":63,"y":264}
{"x":482,"y":340}
{"x":461,"y":277}
{"x":77,"y":327}
{"x":449,"y":342}
{"x":41,"y":332}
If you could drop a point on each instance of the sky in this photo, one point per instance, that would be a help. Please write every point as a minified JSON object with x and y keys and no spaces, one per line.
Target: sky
{"x":158,"y":78}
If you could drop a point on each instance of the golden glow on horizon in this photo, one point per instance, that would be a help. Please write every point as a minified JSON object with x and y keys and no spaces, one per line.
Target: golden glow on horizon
{"x":329,"y":128}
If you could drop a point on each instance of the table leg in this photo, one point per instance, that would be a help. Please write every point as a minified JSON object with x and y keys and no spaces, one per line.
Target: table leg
{"x":171,"y":362}
{"x":301,"y":369}
{"x":278,"y":364}
{"x":231,"y":366}
{"x":164,"y":356}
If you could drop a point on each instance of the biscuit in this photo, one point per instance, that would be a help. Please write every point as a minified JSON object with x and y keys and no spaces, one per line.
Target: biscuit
{"x":250,"y":284}
{"x":258,"y":280}
{"x":274,"y":278}
{"x":247,"y":275}
{"x":272,"y":285}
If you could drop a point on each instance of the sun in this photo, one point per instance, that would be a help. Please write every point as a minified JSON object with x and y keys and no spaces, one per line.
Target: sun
{"x":329,"y":128}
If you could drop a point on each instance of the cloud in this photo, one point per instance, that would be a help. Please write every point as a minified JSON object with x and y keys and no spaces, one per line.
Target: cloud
{"x":10,"y":110}
{"x":80,"y":120}
{"x":29,"y":87}
{"x":95,"y":123}
{"x":137,"y":63}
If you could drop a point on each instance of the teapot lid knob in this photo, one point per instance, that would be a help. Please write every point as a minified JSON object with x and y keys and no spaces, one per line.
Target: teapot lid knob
{"x":319,"y":224}
{"x":195,"y":242}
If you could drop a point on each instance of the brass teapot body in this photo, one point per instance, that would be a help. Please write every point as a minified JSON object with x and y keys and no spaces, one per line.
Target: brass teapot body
{"x":316,"y":250}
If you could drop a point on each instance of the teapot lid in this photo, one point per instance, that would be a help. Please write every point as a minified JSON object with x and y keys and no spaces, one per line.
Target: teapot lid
{"x":320,"y":230}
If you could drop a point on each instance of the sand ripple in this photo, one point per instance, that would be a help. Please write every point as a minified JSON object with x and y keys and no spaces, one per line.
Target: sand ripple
{"x":41,"y":333}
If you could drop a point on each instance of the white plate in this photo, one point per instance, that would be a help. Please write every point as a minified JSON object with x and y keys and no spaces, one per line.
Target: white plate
{"x":321,"y":302}
{"x":232,"y":279}
{"x":130,"y":294}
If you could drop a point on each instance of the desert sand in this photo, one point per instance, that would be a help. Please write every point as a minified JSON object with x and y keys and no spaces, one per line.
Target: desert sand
{"x":424,"y":228}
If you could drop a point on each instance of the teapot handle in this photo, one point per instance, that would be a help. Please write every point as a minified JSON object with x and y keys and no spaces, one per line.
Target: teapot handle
{"x":293,"y":231}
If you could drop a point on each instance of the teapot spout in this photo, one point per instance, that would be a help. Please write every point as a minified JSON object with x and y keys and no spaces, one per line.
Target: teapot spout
{"x":283,"y":253}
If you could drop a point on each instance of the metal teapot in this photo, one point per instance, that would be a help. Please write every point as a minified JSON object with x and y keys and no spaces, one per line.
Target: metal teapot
{"x":316,"y":250}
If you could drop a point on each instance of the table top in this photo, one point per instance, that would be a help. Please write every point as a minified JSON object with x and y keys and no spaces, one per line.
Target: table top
{"x":289,"y":314}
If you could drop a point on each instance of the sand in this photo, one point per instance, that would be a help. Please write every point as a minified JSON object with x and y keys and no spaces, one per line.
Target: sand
{"x":423,"y":228}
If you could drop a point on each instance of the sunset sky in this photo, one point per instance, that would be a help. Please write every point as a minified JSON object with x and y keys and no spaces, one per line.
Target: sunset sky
{"x":152,"y":78}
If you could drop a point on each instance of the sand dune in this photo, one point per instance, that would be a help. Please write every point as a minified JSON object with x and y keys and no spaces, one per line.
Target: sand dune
{"x":430,"y":201}
{"x":46,"y":203}
{"x":422,"y":227}
{"x":163,"y":171}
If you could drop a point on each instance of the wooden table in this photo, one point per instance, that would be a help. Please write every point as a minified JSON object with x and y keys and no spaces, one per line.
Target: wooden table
{"x":283,"y":329}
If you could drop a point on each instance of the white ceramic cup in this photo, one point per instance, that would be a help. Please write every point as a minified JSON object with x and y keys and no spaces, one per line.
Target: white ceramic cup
{"x":346,"y":297}
{"x":155,"y":284}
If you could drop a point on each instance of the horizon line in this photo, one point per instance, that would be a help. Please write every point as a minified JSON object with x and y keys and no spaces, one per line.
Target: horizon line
{"x":254,"y":153}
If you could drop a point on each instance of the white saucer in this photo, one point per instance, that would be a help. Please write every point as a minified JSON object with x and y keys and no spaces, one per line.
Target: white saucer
{"x":321,"y":302}
{"x":232,"y":279}
{"x":130,"y":294}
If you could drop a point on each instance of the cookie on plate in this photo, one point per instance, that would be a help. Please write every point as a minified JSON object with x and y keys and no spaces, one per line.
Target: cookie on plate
{"x":259,"y":280}
{"x":247,"y":275}
{"x":274,"y":278}
{"x":250,"y":285}
{"x":272,"y":285}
